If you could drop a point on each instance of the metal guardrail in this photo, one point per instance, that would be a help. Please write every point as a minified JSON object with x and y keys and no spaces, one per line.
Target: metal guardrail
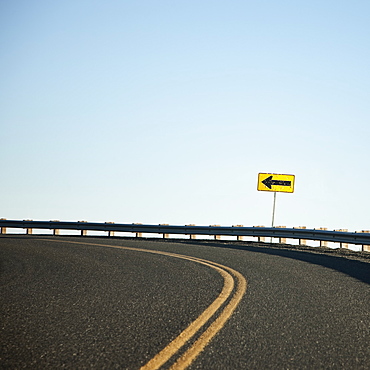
{"x":239,"y":231}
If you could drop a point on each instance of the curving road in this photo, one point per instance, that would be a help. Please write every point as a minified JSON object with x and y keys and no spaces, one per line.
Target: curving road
{"x":79,"y":303}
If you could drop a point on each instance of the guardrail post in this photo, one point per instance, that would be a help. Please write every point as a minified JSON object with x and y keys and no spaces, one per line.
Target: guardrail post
{"x":365,"y":248}
{"x":281,"y":240}
{"x":192,"y":236}
{"x":29,"y":229}
{"x":261,"y":239}
{"x":323,"y":243}
{"x":3,"y":229}
{"x":301,"y":241}
{"x":56,"y":231}
{"x":216,"y":237}
{"x":110,"y":232}
{"x":165,"y":236}
{"x":83,"y":232}
{"x":343,"y":245}
{"x":138,"y":235}
{"x":239,"y":237}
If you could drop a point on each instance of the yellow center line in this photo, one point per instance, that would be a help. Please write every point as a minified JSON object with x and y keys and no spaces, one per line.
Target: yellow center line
{"x":172,"y":348}
{"x":189,"y":356}
{"x":164,"y":355}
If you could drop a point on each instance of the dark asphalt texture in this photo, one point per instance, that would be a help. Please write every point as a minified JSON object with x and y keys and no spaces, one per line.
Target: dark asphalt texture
{"x":79,"y":306}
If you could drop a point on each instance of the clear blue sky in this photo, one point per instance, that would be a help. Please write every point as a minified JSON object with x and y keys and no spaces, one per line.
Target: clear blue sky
{"x":166,"y":111}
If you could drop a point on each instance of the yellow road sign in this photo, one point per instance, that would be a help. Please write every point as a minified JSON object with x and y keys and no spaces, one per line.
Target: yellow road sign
{"x":275,"y":182}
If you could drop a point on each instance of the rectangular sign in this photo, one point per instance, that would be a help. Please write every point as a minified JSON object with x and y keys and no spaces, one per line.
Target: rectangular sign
{"x":275,"y":182}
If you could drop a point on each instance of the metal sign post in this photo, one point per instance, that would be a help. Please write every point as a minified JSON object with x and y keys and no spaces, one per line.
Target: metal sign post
{"x":273,"y":210}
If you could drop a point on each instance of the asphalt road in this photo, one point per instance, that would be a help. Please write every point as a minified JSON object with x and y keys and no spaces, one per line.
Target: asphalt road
{"x":66,"y":305}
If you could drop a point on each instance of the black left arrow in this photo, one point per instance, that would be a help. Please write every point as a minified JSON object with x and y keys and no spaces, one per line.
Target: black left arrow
{"x":269,"y":182}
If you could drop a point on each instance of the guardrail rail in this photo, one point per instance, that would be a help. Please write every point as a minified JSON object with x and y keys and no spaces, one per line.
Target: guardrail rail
{"x":301,"y":233}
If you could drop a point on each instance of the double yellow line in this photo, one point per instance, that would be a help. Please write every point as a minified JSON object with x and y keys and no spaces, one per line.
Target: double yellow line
{"x":229,"y":276}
